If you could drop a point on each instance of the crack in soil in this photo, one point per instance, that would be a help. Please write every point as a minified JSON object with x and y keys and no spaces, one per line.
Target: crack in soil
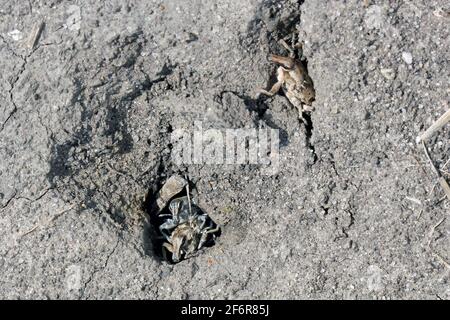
{"x":9,"y":200}
{"x":105,"y":264}
{"x":309,"y":128}
{"x":16,"y":79}
{"x":38,"y":197}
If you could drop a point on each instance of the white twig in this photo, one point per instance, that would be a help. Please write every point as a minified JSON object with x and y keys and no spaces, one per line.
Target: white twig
{"x":442,"y":260}
{"x":48,"y":222}
{"x":441,"y":122}
{"x":36,"y":35}
{"x":416,"y":201}
{"x":433,"y":229}
{"x":442,"y":181}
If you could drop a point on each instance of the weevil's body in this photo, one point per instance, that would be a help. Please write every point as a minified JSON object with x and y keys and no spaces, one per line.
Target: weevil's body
{"x":293,"y":78}
{"x":188,"y":229}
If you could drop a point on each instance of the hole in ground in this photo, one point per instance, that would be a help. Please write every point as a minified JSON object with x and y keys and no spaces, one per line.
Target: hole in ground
{"x":179,"y":229}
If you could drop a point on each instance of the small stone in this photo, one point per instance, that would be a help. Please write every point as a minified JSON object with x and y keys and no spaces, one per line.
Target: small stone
{"x":136,"y":138}
{"x":335,"y":109}
{"x":191,"y":37}
{"x":374,"y":18}
{"x":16,"y":35}
{"x":173,"y":186}
{"x":388,"y":73}
{"x":73,"y":22}
{"x":407,"y":57}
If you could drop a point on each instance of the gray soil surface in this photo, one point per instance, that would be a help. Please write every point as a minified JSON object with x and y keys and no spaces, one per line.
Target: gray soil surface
{"x":85,"y":140}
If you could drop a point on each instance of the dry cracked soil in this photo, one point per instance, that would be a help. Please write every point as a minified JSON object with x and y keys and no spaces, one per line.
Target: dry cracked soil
{"x":88,"y":112}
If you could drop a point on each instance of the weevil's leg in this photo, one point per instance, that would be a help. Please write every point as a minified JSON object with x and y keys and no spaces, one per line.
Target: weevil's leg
{"x":302,"y":109}
{"x":300,"y":114}
{"x":166,"y":226}
{"x":287,"y":37}
{"x":175,"y":207}
{"x":217,"y":228}
{"x":204,"y":236}
{"x":203,"y":219}
{"x":293,"y":40}
{"x":288,"y":48}
{"x":276,"y":87}
{"x":299,"y":47}
{"x":176,"y":255}
{"x":288,"y":63}
{"x":166,"y":236}
{"x":307,"y":108}
{"x":202,"y":240}
{"x":169,"y":248}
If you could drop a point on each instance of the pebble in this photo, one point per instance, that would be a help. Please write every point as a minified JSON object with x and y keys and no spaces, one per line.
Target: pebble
{"x":388,"y":73}
{"x":16,"y":35}
{"x":407,"y":57}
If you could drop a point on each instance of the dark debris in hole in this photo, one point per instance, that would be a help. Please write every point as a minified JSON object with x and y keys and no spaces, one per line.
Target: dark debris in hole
{"x":180,"y":227}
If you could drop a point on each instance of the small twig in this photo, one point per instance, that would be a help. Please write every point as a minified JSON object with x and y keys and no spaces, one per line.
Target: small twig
{"x":29,"y":231}
{"x":444,"y":172}
{"x":442,"y":181}
{"x":447,"y":174}
{"x":188,"y":195}
{"x":441,"y":122}
{"x":429,"y":159}
{"x":433,"y":229}
{"x":434,"y":188}
{"x":48,"y":221}
{"x":420,"y":214}
{"x":445,"y":186}
{"x":36,"y":35}
{"x":441,"y":200}
{"x":445,"y":164}
{"x":445,"y":263}
{"x":56,"y":216}
{"x":441,"y":13}
{"x":420,"y":165}
{"x":414,"y":200}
